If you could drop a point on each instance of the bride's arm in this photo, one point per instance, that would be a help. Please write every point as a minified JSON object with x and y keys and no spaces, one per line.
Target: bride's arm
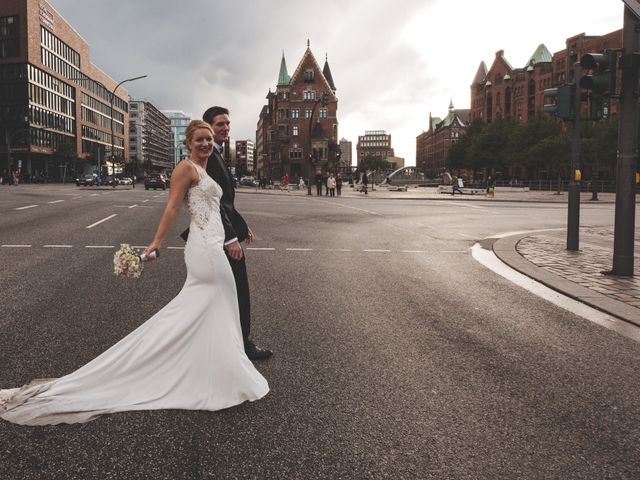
{"x":182,"y":178}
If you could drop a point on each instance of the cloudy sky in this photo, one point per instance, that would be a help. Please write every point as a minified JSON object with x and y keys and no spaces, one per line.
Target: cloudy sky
{"x":392,"y":62}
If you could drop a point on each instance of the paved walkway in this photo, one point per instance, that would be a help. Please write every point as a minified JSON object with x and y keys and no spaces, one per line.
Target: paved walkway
{"x":543,"y":256}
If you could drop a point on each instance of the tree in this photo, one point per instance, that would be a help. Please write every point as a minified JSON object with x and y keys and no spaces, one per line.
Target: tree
{"x":370,"y":162}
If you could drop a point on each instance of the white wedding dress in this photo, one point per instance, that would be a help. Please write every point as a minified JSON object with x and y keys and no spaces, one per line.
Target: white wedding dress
{"x":189,"y":355}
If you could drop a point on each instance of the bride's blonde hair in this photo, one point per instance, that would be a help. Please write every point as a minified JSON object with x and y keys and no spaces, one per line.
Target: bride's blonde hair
{"x":192,"y":127}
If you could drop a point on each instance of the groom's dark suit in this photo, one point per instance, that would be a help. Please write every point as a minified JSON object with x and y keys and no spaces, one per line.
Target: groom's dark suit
{"x":234,"y":227}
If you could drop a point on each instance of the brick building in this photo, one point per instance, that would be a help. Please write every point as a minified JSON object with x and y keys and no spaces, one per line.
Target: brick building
{"x":52,"y":98}
{"x":297,"y":132}
{"x":432,"y":146}
{"x":504,"y":91}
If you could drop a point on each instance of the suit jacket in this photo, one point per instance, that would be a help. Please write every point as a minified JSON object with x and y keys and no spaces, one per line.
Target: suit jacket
{"x":233,"y":223}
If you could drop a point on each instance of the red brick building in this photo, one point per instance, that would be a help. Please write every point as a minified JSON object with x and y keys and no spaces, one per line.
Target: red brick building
{"x":432,"y":146}
{"x":504,"y":91}
{"x":297,"y":132}
{"x":52,"y":97}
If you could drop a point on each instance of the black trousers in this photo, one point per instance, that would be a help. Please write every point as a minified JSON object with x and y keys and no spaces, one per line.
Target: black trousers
{"x":239,"y":268}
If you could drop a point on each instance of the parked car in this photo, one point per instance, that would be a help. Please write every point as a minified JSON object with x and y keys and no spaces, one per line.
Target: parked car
{"x":155,"y":181}
{"x":248,"y":181}
{"x":125,"y":181}
{"x":86,"y":180}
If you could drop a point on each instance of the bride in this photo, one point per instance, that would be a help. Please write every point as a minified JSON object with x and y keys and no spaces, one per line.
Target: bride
{"x":190,"y":355}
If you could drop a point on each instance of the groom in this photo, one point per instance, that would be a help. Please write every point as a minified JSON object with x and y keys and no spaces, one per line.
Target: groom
{"x":235,"y":228}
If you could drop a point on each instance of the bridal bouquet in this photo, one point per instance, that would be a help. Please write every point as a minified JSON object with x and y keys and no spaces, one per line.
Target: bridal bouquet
{"x":126,"y":262}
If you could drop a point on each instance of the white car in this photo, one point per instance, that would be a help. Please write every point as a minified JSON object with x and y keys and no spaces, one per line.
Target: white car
{"x":125,"y":181}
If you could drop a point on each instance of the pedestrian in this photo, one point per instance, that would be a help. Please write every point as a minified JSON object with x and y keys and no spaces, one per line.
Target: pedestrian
{"x":319,"y":183}
{"x":455,"y":186}
{"x":324,"y":180}
{"x":339,"y":184}
{"x":187,"y":356}
{"x":285,"y":182}
{"x":235,"y":227}
{"x":491,"y":185}
{"x":331,"y":185}
{"x":301,"y":185}
{"x":365,"y":182}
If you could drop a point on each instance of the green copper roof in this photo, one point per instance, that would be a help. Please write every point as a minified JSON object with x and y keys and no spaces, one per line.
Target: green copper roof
{"x":283,"y":76}
{"x":541,"y":55}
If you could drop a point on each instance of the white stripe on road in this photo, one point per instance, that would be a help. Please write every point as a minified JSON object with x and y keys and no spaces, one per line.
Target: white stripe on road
{"x":413,"y":251}
{"x":134,"y":205}
{"x":173,"y":248}
{"x":145,"y":201}
{"x":299,"y":249}
{"x":98,"y":246}
{"x":100,"y":221}
{"x":258,"y":248}
{"x":57,"y":246}
{"x":16,"y":246}
{"x":466,"y":205}
{"x":24,"y":208}
{"x":374,"y":251}
{"x":454,"y":251}
{"x":337,"y":250}
{"x":57,"y":201}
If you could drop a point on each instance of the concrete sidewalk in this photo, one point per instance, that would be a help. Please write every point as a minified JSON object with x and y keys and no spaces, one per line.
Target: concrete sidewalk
{"x":543,"y":256}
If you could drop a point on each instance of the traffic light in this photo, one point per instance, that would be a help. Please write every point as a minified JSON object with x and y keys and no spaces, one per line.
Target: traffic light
{"x":602,"y":79}
{"x":562,"y":101}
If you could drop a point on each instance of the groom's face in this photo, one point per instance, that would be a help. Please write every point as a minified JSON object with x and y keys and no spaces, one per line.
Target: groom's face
{"x":220,"y":125}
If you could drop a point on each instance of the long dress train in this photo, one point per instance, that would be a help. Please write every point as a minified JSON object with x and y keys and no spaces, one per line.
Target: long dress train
{"x":189,"y":355}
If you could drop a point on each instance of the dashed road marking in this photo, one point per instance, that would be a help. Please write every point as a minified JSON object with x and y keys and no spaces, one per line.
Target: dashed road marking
{"x":261,"y":248}
{"x":376,"y":251}
{"x":98,"y":246}
{"x":16,"y":246}
{"x":58,"y":246}
{"x":24,"y":208}
{"x":101,"y":221}
{"x":299,"y":249}
{"x":57,"y":201}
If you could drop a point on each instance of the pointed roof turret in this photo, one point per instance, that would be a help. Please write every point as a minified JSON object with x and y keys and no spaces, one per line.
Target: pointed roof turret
{"x":481,"y":74}
{"x":541,"y":55}
{"x":451,"y":105}
{"x":326,"y":71}
{"x":283,"y":76}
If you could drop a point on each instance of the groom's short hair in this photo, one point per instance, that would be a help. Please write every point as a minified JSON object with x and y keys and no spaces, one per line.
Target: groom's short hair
{"x":213,"y":112}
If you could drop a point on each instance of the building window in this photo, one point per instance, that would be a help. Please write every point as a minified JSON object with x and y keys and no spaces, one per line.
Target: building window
{"x":308,"y":76}
{"x":295,"y":130}
{"x":295,"y":113}
{"x":307,"y":112}
{"x":9,"y":46}
{"x":323,"y":113}
{"x":309,"y":95}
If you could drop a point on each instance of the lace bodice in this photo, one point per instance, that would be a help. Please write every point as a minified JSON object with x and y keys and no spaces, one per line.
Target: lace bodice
{"x":203,"y":202}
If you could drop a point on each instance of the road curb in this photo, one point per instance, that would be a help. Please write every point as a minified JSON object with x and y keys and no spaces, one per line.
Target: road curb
{"x":506,"y":250}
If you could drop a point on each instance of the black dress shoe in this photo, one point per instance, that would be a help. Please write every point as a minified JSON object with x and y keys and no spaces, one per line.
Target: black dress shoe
{"x":256,"y":353}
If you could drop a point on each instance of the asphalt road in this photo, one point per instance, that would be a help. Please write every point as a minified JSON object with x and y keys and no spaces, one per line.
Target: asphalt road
{"x":396,"y":354}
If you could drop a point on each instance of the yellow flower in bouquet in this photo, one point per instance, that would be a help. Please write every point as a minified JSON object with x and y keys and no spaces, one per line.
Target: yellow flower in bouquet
{"x":126,"y":262}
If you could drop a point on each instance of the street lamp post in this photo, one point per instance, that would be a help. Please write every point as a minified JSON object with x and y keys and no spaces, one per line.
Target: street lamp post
{"x":113,"y":159}
{"x":324,"y":99}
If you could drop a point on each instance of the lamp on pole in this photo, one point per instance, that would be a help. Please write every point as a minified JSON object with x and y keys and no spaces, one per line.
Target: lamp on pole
{"x":113,"y":160}
{"x":324,"y":100}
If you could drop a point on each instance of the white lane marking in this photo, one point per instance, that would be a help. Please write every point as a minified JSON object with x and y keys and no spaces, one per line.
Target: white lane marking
{"x":299,"y":249}
{"x":260,"y":248}
{"x":337,"y":250}
{"x":100,"y":221}
{"x":454,"y":251}
{"x":134,"y":205}
{"x":24,"y":208}
{"x":493,"y":263}
{"x":57,"y":246}
{"x":466,"y":205}
{"x":98,"y":246}
{"x":57,"y":201}
{"x":16,"y":246}
{"x":173,"y":248}
{"x":378,"y":251}
{"x":413,"y":251}
{"x":145,"y":201}
{"x":94,"y":194}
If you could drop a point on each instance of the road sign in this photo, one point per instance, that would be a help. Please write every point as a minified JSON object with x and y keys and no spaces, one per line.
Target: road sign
{"x":634,"y":5}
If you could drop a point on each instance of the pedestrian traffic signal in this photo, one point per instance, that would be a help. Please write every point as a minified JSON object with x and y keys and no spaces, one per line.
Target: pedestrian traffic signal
{"x":602,"y":79}
{"x":561,"y":105}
